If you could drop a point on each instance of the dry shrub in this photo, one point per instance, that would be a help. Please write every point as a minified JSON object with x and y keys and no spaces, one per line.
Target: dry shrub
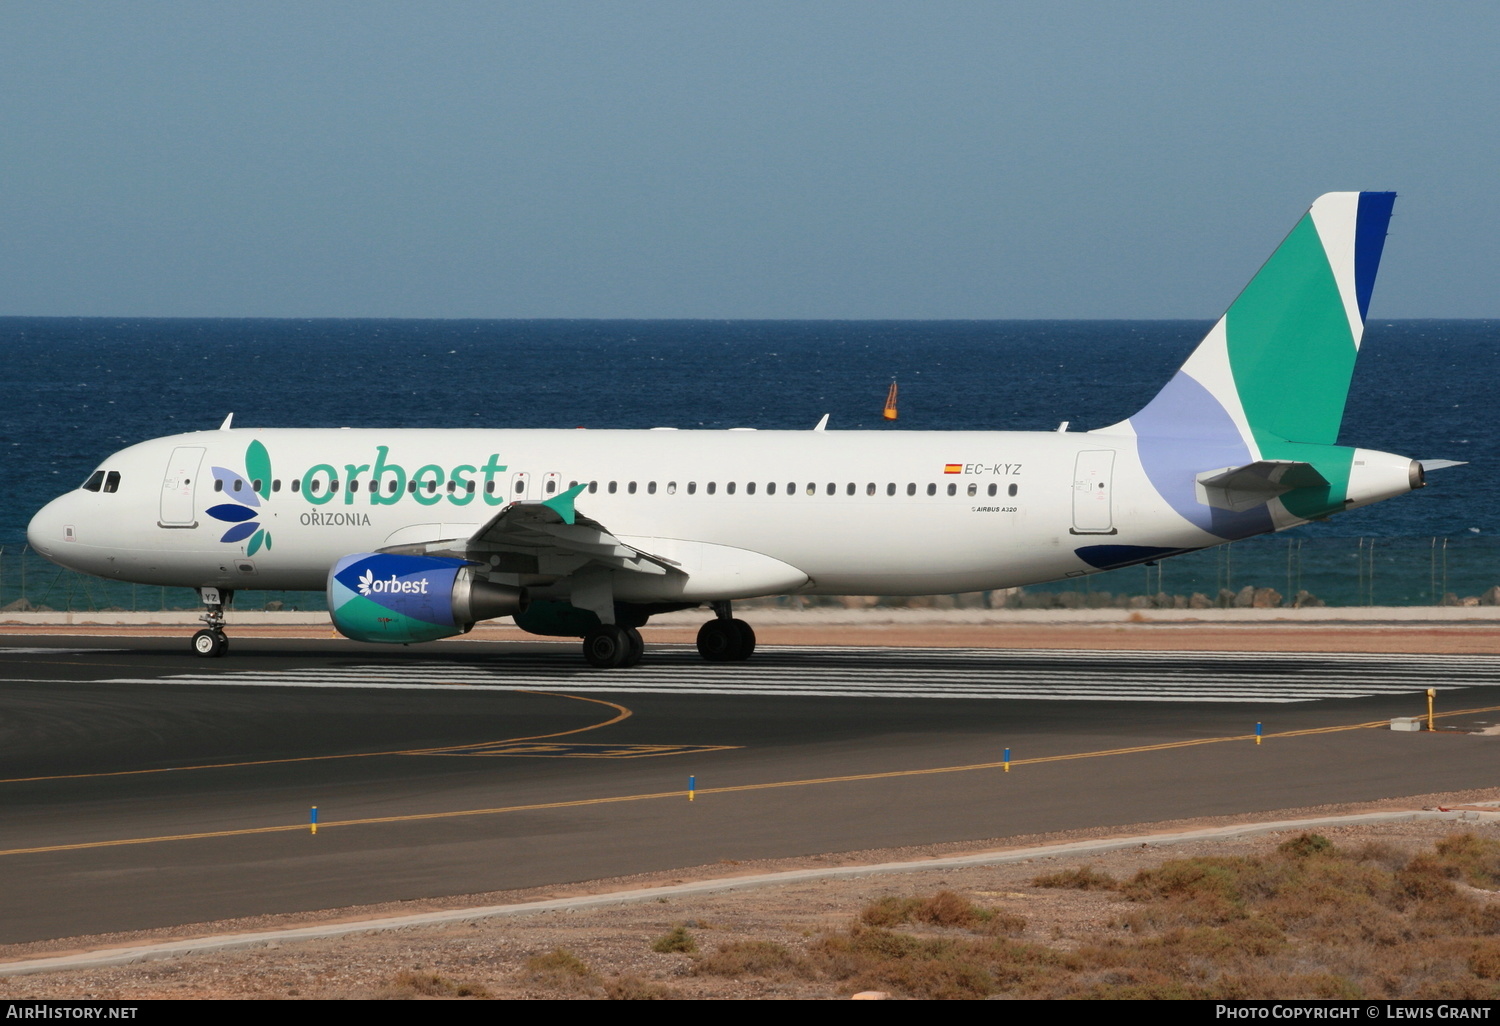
{"x":678,"y":941}
{"x":1330,"y":898}
{"x":1309,"y":921}
{"x":1385,"y":856}
{"x":430,"y":985}
{"x":1306,"y":846}
{"x":1133,"y":985}
{"x":1426,"y":878}
{"x":867,"y":958}
{"x":1004,"y":924}
{"x":1473,"y":859}
{"x":1197,"y":889}
{"x":1266,"y":986}
{"x":753,"y":958}
{"x":1484,"y":961}
{"x":945,"y":908}
{"x":633,"y":988}
{"x":889,"y":910}
{"x":1084,"y":878}
{"x":948,"y":909}
{"x":560,"y":969}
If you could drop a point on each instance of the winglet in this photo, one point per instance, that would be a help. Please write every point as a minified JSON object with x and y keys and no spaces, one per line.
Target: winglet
{"x":562,"y":504}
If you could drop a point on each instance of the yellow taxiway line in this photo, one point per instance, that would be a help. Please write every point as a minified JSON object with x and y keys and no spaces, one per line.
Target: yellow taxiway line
{"x":654,"y":796}
{"x":621,"y":713}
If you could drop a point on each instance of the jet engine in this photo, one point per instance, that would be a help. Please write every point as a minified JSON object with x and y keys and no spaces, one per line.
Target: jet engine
{"x":381,"y":596}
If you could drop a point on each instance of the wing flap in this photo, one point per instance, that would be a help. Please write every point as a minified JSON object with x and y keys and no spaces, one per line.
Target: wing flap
{"x":554,"y":533}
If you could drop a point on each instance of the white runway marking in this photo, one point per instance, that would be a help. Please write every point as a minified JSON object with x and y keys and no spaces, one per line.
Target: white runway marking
{"x":15,"y":650}
{"x":1011,"y":674}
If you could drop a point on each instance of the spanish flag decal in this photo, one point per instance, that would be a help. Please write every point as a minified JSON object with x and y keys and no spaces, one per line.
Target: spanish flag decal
{"x":953,"y":468}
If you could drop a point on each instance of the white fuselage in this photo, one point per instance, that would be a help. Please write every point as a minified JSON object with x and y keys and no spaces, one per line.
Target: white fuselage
{"x":828,"y":512}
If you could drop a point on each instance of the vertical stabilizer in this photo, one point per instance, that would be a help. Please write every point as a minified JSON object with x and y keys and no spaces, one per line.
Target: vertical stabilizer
{"x":1271,"y":378}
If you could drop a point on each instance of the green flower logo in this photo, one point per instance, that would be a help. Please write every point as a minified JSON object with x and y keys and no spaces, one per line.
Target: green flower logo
{"x":246,"y":490}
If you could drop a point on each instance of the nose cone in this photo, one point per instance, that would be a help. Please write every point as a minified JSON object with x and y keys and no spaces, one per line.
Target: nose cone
{"x":49,"y":529}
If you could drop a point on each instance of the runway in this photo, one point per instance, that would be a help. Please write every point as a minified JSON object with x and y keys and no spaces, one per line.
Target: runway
{"x":854,"y":672}
{"x":145,"y":788}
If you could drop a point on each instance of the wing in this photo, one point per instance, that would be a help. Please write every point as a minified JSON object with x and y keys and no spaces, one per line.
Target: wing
{"x":549,"y":538}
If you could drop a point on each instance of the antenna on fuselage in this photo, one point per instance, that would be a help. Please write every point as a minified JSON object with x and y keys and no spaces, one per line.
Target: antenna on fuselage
{"x":225,"y":426}
{"x":822,"y":424}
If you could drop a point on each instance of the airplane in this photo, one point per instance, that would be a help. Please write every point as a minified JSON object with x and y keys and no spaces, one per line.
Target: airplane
{"x":417,"y":535}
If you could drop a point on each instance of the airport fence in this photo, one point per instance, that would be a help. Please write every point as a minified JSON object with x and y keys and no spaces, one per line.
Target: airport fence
{"x":1275,"y":572}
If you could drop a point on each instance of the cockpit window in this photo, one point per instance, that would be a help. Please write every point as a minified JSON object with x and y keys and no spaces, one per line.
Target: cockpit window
{"x":112,"y":481}
{"x":96,"y":479}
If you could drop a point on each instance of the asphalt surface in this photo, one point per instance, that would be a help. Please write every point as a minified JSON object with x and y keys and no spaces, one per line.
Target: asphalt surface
{"x":141,"y":787}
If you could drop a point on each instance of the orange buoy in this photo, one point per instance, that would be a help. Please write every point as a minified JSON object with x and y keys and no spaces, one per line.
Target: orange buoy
{"x":890,"y":402}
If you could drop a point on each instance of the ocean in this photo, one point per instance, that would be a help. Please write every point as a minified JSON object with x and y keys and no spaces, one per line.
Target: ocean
{"x":74,"y":390}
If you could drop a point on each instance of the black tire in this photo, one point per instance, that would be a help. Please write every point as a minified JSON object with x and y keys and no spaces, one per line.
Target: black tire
{"x":606,"y":646}
{"x":637,"y":646}
{"x":745,"y":638}
{"x":718,"y":641}
{"x":209,"y":644}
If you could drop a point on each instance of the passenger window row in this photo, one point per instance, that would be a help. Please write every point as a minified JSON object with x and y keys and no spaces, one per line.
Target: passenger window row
{"x":772,"y":488}
{"x":111,"y":482}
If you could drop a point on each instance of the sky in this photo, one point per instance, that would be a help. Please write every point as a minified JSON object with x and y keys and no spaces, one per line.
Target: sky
{"x":764,"y":159}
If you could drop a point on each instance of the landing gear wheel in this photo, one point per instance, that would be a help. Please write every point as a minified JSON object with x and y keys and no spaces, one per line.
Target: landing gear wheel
{"x":210,"y":644}
{"x":746,"y":637}
{"x":606,"y":646}
{"x":637,"y":647}
{"x":724,"y":641}
{"x":717,"y":641}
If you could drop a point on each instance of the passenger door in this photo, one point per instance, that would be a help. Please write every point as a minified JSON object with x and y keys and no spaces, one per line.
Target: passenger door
{"x":177,"y":506}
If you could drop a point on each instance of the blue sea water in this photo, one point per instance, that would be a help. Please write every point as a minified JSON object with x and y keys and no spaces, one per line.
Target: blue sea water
{"x":73,"y":390}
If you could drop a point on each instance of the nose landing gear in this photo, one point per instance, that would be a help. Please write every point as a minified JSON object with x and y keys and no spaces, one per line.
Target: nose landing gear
{"x":212,"y":642}
{"x":725,"y":639}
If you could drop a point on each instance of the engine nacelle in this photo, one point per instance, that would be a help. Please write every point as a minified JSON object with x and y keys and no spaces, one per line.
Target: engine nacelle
{"x":381,"y":596}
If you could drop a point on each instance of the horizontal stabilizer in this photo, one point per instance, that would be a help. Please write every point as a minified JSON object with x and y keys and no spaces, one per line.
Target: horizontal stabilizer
{"x":1441,"y":464}
{"x":1255,"y":484}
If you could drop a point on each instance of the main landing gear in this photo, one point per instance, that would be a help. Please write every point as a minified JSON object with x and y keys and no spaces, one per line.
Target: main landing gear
{"x":722,"y":640}
{"x":609,"y":645}
{"x":211,"y":642}
{"x":725,"y":639}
